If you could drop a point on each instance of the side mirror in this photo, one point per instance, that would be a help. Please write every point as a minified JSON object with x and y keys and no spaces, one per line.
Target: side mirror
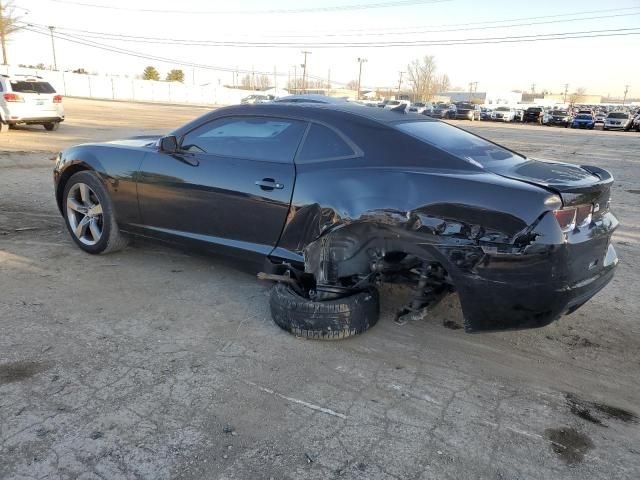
{"x":169,"y":144}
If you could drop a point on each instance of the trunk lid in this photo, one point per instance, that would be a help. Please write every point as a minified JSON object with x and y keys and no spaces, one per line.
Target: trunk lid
{"x":576,"y":184}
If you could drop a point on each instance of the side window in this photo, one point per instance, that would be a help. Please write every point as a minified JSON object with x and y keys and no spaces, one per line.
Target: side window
{"x":254,"y":138}
{"x":323,"y":143}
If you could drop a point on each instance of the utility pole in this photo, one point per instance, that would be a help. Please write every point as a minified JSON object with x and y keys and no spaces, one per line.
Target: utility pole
{"x":2,"y":35}
{"x":400,"y":82}
{"x":626,"y":90}
{"x":295,"y":78}
{"x":53,"y":48}
{"x":533,"y":88}
{"x":360,"y":61}
{"x":328,"y":81}
{"x":275,"y":80}
{"x":304,"y":71}
{"x":566,"y":89}
{"x":472,"y":85}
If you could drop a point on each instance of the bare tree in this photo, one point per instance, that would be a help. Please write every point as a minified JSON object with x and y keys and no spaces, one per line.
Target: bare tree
{"x":443,"y":84}
{"x":577,"y":96}
{"x":9,"y":24}
{"x":262,"y":81}
{"x":421,"y":75}
{"x":352,"y":85}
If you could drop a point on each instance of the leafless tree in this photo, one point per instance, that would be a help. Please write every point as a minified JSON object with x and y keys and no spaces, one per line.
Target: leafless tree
{"x":577,"y":96}
{"x":352,"y":85}
{"x":421,"y":75}
{"x":9,"y":24}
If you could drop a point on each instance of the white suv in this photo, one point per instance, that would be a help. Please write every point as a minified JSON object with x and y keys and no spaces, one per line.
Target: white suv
{"x":29,"y":100}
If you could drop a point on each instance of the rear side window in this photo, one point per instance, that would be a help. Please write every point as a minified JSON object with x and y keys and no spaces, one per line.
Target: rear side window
{"x":254,"y":138}
{"x":456,"y":141}
{"x":31,"y":87}
{"x":322,"y":143}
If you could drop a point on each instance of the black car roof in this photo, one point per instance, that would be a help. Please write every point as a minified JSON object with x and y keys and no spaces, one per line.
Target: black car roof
{"x":309,"y":111}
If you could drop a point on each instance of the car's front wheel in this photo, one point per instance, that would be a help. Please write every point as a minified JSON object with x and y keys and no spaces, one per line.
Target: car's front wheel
{"x":52,"y":126}
{"x":88,"y":213}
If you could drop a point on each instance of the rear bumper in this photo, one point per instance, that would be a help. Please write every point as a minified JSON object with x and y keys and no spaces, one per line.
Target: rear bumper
{"x":34,"y":120}
{"x":538,"y":286}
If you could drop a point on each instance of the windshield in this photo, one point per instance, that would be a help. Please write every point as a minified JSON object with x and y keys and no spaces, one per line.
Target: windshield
{"x":558,"y":112}
{"x":460,"y":143}
{"x":31,"y":87}
{"x":502,"y":109}
{"x":617,"y":115}
{"x":583,"y":117}
{"x":467,"y":106}
{"x":418,"y":104}
{"x":534,"y":109}
{"x":392,"y":102}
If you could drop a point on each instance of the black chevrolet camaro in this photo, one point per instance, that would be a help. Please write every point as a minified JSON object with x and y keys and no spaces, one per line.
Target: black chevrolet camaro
{"x":331,"y":200}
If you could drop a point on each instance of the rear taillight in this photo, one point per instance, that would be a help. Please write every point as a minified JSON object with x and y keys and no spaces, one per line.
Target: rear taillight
{"x":570,"y":218}
{"x":57,"y":99}
{"x":13,"y":97}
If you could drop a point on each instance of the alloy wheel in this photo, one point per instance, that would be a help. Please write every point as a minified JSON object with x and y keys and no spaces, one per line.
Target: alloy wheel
{"x":84,"y":213}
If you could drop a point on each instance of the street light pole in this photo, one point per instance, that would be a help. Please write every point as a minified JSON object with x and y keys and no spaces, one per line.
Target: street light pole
{"x":304,"y":71}
{"x":360,"y":61}
{"x":400,"y":83}
{"x":626,"y":90}
{"x":53,"y":48}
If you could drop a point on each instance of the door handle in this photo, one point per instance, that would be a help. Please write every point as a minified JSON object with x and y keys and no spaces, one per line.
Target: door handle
{"x":269,"y":184}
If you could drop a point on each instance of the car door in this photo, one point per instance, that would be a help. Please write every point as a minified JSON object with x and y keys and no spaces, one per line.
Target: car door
{"x":229,"y":185}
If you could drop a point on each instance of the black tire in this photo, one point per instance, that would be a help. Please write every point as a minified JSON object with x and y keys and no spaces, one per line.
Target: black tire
{"x":327,"y":320}
{"x":51,"y":126}
{"x":111,"y":239}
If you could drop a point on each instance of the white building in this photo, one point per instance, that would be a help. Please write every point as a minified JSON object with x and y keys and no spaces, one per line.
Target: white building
{"x":488,"y":98}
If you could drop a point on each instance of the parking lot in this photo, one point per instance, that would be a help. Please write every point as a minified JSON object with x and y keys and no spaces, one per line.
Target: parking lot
{"x":154,"y":363}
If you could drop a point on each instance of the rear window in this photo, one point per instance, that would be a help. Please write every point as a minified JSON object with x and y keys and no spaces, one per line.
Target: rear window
{"x":617,"y":115}
{"x":455,"y":141}
{"x":583,"y":117}
{"x":534,"y":109}
{"x":31,"y":87}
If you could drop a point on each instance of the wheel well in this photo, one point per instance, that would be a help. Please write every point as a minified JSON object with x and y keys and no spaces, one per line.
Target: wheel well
{"x":64,"y":178}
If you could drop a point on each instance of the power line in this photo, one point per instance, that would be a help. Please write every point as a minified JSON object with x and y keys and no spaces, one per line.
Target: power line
{"x":398,"y":43}
{"x":156,"y":58}
{"x":164,"y":40}
{"x":335,"y":8}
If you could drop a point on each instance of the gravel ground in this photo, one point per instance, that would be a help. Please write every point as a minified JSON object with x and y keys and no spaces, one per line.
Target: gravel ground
{"x":153,"y":363}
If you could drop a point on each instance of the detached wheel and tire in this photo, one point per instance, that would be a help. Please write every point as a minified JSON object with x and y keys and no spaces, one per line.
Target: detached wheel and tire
{"x":88,"y":213}
{"x":326,"y":320}
{"x":52,"y":126}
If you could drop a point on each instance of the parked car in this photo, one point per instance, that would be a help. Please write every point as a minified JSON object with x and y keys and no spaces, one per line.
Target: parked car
{"x":519,"y":115}
{"x":533,"y":114}
{"x":616,"y":120}
{"x":29,"y":100}
{"x":467,"y":111}
{"x":522,"y":241}
{"x":600,"y":116}
{"x":441,"y":110}
{"x":485,"y":113}
{"x":503,"y":114}
{"x":583,"y":120}
{"x":634,"y":124}
{"x":559,"y":117}
{"x":251,"y":99}
{"x":419,"y":107}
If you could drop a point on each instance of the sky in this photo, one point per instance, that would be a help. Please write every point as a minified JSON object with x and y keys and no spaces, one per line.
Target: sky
{"x":602,"y":65}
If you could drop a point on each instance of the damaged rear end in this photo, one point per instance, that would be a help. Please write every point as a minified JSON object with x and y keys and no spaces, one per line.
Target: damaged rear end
{"x":521,"y":241}
{"x":556,"y":264}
